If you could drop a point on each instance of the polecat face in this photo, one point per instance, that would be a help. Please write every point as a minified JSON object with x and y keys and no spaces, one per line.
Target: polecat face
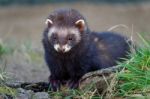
{"x":65,"y":28}
{"x":63,"y":38}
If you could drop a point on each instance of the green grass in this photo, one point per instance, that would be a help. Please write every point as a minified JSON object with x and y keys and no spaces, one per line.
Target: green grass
{"x":135,"y":78}
{"x":89,"y":92}
{"x":32,"y":54}
{"x":5,"y":49}
{"x":4,"y":77}
{"x":2,"y":49}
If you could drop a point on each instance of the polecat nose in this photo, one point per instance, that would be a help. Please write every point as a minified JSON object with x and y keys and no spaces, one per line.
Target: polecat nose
{"x":61,"y":49}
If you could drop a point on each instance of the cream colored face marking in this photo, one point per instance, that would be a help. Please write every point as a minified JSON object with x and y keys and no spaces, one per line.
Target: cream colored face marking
{"x":66,"y":48}
{"x":95,"y":39}
{"x":56,"y":47}
{"x":52,"y":30}
{"x":64,"y":32}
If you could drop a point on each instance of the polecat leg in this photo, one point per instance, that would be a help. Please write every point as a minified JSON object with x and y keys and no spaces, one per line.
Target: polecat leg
{"x":73,"y":84}
{"x":55,"y":84}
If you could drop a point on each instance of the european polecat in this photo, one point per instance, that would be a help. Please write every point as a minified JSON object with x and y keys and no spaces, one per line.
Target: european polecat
{"x":71,"y":49}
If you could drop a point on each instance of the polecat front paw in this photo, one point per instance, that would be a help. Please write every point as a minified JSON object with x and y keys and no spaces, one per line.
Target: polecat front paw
{"x":73,"y":84}
{"x":55,"y":85}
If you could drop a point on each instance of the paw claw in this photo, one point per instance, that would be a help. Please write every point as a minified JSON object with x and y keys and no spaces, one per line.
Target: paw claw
{"x":72,"y":84}
{"x":55,"y":85}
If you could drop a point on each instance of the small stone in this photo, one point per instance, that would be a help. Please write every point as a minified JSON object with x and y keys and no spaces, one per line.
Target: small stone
{"x":4,"y":96}
{"x":41,"y":95}
{"x":21,"y":90}
{"x":30,"y":93}
{"x":98,"y":79}
{"x":16,"y":84}
{"x":24,"y":94}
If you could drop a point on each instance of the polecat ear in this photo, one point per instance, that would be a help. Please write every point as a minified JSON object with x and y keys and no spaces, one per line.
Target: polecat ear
{"x":48,"y":22}
{"x":80,"y":24}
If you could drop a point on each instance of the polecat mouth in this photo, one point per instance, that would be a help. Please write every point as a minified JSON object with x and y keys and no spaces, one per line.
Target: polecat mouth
{"x":62,"y":48}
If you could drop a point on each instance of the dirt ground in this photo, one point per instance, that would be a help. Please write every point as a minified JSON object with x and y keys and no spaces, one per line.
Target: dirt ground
{"x":22,"y":26}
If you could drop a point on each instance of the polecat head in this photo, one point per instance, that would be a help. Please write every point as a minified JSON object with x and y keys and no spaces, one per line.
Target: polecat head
{"x":65,"y":29}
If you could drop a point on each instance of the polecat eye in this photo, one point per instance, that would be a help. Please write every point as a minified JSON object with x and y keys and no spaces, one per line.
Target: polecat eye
{"x":70,"y":38}
{"x":54,"y":37}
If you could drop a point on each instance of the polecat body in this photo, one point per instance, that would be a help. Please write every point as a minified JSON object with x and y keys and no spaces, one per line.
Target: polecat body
{"x":71,"y":49}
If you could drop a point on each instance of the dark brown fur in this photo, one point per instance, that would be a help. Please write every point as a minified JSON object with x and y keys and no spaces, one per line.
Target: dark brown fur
{"x":94,"y":51}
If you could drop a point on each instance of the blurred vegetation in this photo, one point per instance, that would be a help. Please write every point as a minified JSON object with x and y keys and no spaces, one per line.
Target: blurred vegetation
{"x":32,"y":54}
{"x":33,"y":2}
{"x":4,"y":77}
{"x":4,"y":49}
